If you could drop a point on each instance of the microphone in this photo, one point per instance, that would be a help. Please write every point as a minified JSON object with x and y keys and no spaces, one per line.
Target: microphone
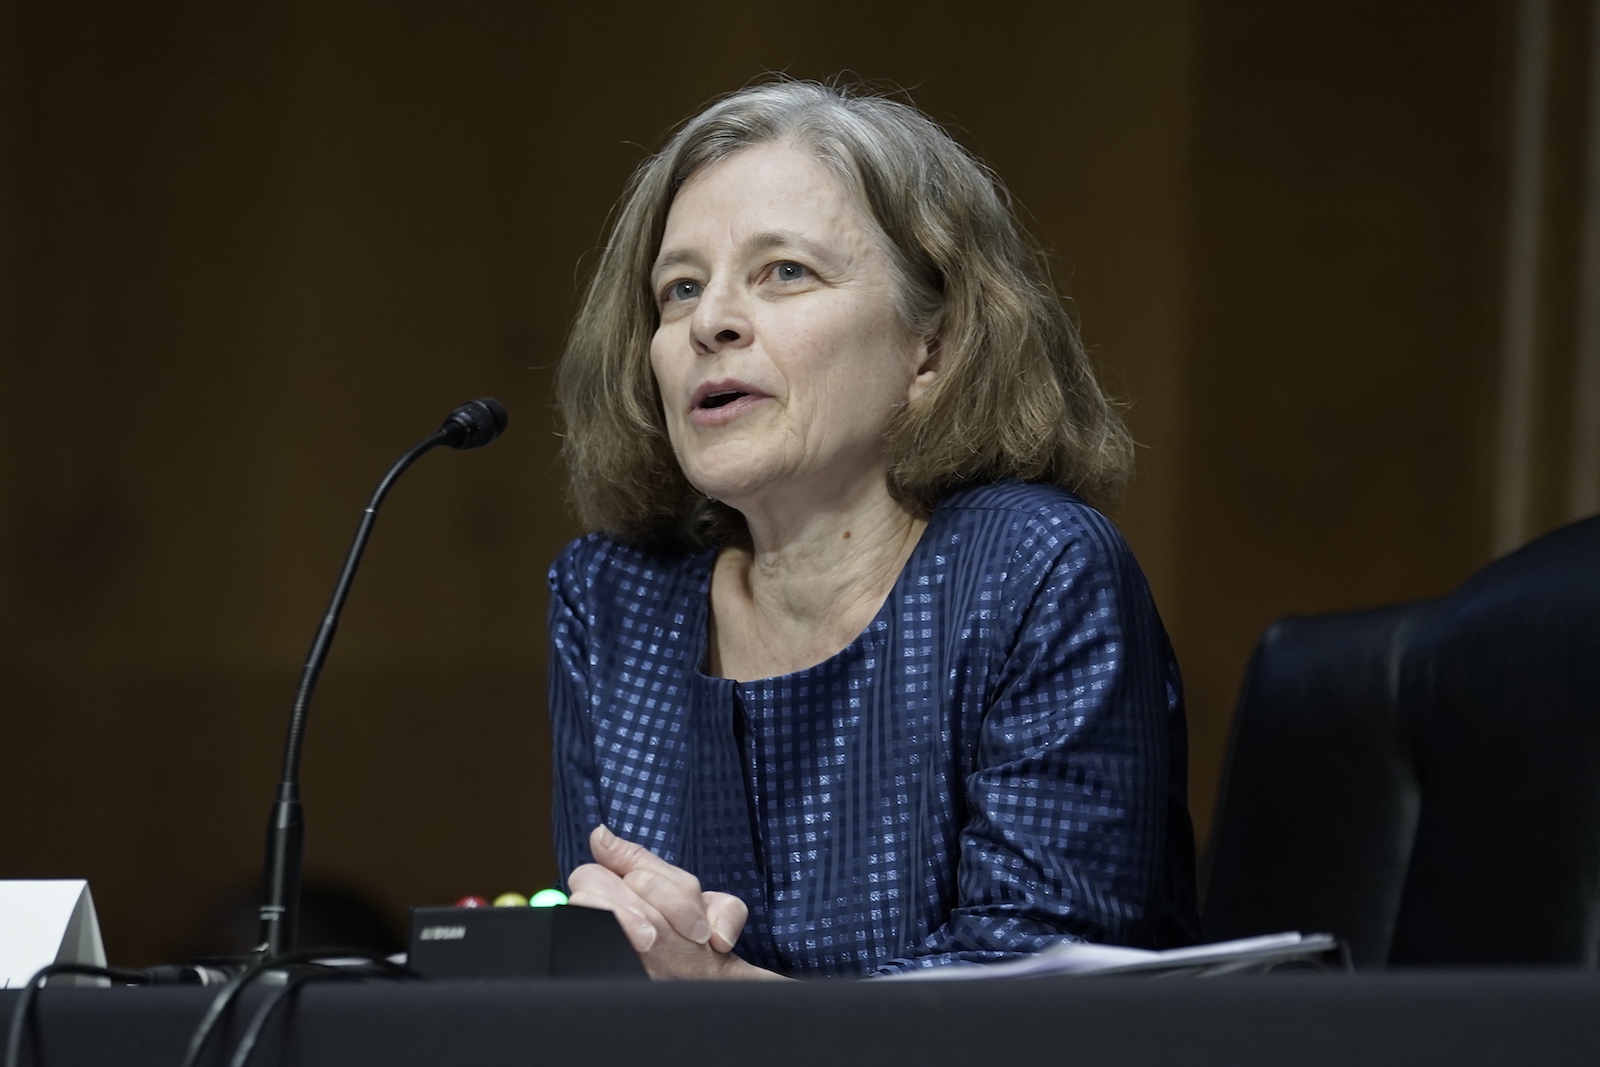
{"x":472,"y":425}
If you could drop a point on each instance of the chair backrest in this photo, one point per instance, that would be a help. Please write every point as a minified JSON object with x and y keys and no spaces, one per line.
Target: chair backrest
{"x":1320,"y":800}
{"x":1423,"y":780}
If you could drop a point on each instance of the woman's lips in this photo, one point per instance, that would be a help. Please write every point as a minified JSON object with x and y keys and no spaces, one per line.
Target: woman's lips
{"x":723,"y":414}
{"x":721,"y":402}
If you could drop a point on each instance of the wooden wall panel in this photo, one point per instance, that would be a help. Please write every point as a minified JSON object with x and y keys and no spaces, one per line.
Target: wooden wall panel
{"x":1350,"y":191}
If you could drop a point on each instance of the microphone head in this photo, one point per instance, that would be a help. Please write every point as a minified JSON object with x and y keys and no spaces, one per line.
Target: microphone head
{"x":474,"y":424}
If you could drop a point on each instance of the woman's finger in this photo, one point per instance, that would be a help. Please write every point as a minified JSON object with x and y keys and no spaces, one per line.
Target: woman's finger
{"x":625,"y":857}
{"x":672,"y":891}
{"x":727,"y":915}
{"x":684,"y":910}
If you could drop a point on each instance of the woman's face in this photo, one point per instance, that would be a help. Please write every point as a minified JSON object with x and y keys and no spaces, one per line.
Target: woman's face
{"x":780,"y":357}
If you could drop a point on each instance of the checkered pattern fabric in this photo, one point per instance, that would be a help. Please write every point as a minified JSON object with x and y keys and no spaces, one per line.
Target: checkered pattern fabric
{"x":995,"y":764}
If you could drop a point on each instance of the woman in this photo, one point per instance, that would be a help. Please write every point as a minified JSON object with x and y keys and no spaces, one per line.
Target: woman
{"x":850,"y":679}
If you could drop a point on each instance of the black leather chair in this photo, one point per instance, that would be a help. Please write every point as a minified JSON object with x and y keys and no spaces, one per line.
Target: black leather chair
{"x":1423,"y":780}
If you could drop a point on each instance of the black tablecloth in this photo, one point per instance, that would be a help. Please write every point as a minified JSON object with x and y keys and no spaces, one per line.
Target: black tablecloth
{"x":1455,"y":1018}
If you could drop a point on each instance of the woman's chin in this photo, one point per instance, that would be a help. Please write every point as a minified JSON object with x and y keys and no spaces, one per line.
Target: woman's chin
{"x":738,"y":486}
{"x":731,"y":492}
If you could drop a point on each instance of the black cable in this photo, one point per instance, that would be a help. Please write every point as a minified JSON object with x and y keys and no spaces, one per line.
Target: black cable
{"x":258,"y":1021}
{"x":219,"y":1004}
{"x":374,"y":966}
{"x":22,"y":1014}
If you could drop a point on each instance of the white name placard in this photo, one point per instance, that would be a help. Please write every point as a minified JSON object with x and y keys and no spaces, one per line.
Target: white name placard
{"x":45,"y":922}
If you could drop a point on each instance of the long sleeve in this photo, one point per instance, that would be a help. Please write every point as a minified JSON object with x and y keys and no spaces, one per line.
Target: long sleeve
{"x":1068,"y":801}
{"x":625,"y":632}
{"x":575,"y":804}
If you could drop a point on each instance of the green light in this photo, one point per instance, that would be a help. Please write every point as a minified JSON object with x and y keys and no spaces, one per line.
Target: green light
{"x":547,"y":898}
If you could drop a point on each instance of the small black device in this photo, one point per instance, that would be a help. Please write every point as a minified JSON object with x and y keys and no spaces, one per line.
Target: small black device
{"x":565,"y":941}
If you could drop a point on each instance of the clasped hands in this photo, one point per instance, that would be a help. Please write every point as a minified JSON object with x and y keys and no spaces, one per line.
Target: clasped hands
{"x":678,"y":930}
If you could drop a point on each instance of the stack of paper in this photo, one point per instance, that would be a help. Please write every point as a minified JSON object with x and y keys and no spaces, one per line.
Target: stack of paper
{"x":1082,"y":957}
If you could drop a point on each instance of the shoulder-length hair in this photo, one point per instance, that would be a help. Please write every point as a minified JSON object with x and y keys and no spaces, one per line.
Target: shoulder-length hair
{"x":1016,"y":396}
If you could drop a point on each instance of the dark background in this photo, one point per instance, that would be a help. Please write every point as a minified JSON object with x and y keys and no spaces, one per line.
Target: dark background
{"x":252,"y":251}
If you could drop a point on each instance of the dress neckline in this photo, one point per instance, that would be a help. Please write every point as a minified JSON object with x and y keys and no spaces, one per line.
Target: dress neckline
{"x":858,"y":644}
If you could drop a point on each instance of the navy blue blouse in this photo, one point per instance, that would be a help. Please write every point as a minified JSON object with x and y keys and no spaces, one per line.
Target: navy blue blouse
{"x":995,"y":764}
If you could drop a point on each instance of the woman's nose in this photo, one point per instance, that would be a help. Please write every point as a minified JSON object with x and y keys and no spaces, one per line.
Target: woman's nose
{"x":719,"y":320}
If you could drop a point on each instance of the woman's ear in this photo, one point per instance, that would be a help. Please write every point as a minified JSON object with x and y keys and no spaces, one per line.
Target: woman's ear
{"x":928,"y":365}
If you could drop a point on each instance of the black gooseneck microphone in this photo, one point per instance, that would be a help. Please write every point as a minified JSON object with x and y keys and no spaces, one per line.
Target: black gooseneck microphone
{"x":472,"y":425}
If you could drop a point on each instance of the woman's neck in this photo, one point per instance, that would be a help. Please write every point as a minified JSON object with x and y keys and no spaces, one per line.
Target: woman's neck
{"x":805,"y":585}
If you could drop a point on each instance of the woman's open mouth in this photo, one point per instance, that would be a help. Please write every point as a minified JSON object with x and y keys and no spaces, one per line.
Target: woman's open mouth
{"x":719,"y":403}
{"x":717,"y":400}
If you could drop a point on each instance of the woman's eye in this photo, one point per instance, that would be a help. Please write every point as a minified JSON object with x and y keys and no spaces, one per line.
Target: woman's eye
{"x":789,"y":272}
{"x":682,"y":290}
